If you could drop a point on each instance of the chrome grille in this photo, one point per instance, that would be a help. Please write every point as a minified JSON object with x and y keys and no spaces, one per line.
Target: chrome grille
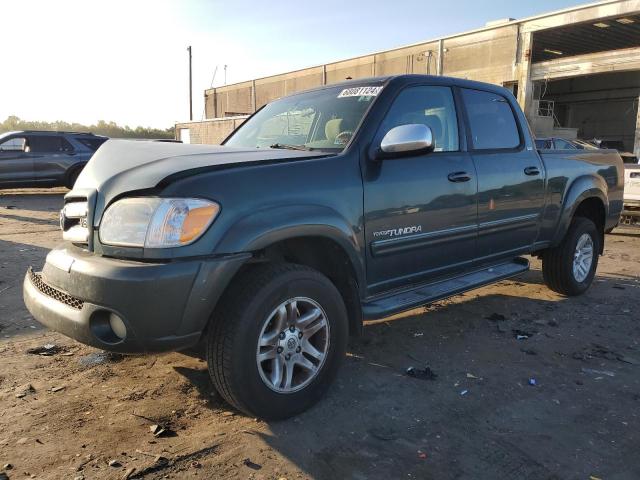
{"x":52,"y":292}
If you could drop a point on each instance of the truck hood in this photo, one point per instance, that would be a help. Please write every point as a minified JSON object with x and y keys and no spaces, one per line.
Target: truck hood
{"x":121,"y":166}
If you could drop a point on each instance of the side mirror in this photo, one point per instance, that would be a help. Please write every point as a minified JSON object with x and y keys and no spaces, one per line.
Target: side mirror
{"x":405,"y":139}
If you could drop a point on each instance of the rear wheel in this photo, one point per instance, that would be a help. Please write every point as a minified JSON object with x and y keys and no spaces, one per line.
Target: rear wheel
{"x":72,"y":177}
{"x":570,"y":267}
{"x":276,"y":340}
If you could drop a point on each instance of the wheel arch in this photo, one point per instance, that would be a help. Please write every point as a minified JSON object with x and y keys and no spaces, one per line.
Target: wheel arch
{"x":586,"y":197}
{"x":327,"y":256}
{"x":71,"y":171}
{"x":314,"y":236}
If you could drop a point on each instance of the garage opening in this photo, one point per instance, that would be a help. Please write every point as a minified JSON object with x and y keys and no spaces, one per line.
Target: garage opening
{"x":603,"y":35}
{"x":602,"y":107}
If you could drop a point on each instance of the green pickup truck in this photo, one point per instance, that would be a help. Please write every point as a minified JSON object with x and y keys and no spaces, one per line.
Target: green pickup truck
{"x":348,"y":202}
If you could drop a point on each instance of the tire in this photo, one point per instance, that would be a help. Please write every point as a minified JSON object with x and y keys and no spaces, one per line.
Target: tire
{"x":72,"y":177}
{"x":558,"y":262}
{"x":242,"y":318}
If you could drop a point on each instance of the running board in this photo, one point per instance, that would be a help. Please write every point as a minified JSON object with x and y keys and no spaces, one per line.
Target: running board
{"x":385,"y":305}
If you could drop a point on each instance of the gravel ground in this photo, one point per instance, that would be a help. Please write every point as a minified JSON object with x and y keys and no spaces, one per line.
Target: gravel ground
{"x":73,"y":413}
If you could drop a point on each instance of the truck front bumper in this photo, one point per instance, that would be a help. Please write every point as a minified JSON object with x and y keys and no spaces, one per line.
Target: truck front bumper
{"x":631,"y":208}
{"x":158,"y":306}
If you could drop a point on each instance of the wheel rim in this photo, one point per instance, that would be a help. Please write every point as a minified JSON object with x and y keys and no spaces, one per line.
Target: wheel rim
{"x":293,"y":345}
{"x":583,"y":257}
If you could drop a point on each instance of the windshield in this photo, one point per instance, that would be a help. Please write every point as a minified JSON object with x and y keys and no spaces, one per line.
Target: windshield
{"x":319,"y":120}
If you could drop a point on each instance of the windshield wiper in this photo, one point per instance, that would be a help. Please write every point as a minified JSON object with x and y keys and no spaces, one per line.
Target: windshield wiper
{"x":289,"y":147}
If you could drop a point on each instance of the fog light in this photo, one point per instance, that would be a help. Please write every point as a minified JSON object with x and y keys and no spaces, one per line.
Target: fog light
{"x":117,"y":325}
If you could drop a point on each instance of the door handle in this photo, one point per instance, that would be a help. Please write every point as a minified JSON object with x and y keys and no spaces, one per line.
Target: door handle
{"x":458,"y":177}
{"x":531,"y":171}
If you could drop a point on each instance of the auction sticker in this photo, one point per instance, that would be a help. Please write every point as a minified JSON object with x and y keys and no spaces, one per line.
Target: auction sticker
{"x":360,"y":92}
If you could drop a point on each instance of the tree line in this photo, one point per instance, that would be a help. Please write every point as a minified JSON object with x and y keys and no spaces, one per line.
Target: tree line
{"x":109,"y":129}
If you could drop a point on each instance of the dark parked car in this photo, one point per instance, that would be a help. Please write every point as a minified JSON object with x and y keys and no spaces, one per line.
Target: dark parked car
{"x":348,"y":202}
{"x":556,"y":143}
{"x":44,"y":159}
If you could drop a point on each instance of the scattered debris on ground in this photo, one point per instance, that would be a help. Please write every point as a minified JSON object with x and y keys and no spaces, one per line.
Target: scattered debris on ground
{"x":47,"y":350}
{"x":521,"y":334}
{"x":252,"y":465}
{"x":421,"y":373}
{"x":100,"y":358}
{"x":598,"y":372}
{"x":25,"y":390}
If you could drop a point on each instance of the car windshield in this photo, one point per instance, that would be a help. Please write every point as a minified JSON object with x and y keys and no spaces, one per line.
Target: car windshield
{"x":318,"y":120}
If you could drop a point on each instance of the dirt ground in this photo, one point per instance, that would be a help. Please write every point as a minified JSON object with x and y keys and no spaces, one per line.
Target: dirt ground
{"x":70,"y":414}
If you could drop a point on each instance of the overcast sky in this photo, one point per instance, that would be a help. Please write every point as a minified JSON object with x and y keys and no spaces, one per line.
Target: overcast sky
{"x":126,"y":60}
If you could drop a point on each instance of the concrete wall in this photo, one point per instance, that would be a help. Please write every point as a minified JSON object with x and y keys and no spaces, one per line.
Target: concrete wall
{"x":623,"y":60}
{"x":209,"y":131}
{"x":488,"y":56}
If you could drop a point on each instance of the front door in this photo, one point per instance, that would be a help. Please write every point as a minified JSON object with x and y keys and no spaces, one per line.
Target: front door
{"x":16,"y":166}
{"x":510,"y":177}
{"x":420,"y":210}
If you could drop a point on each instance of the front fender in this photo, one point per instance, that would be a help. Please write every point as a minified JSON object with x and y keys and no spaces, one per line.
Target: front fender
{"x":582,"y":188}
{"x":263,"y":228}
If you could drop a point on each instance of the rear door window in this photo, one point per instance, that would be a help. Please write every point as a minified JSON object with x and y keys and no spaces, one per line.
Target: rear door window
{"x":94,"y":143}
{"x":49,"y":144}
{"x":491,"y":120}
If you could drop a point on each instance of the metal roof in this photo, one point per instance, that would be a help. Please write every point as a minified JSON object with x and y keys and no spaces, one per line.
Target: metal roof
{"x":597,"y":35}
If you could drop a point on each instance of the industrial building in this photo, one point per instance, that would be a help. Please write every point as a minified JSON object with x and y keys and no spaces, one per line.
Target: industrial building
{"x":575,"y":72}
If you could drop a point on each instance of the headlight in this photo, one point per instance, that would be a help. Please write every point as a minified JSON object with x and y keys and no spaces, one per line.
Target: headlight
{"x":156,"y":222}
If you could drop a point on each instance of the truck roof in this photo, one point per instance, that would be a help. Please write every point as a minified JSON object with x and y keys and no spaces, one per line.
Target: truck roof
{"x":47,"y":132}
{"x":410,"y":78}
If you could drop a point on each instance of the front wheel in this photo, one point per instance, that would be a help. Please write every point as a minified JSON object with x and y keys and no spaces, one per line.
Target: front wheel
{"x":276,"y":340}
{"x":570,"y":267}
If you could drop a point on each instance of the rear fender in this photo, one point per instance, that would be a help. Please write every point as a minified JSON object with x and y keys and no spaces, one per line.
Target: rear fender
{"x":584,"y":187}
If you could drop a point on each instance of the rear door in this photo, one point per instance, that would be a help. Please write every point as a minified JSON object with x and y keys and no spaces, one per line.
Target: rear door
{"x":52,"y":155}
{"x":420,"y":210}
{"x":510,"y":176}
{"x":15,"y":164}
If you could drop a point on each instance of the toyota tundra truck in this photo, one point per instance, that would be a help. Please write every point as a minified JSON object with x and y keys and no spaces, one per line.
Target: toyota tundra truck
{"x":348,"y":202}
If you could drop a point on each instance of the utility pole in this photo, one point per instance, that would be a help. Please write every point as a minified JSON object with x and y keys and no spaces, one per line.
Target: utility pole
{"x":190,"y":87}
{"x":225,"y":74}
